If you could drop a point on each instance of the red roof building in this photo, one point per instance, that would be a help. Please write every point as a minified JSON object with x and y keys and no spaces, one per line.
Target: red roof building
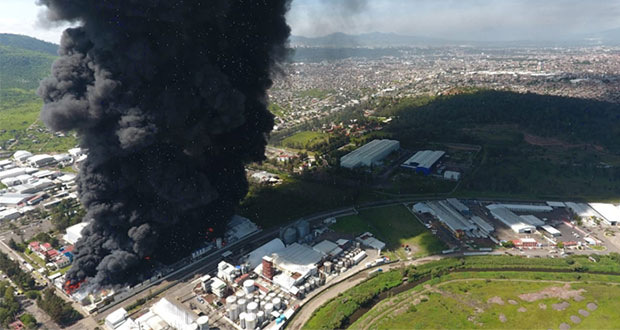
{"x":46,"y":246}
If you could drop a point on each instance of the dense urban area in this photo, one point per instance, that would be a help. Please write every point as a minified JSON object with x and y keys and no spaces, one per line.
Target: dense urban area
{"x":369,"y":201}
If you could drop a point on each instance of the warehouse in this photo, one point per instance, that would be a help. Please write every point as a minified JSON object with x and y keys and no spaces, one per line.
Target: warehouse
{"x":458,"y":224}
{"x":456,"y":204}
{"x":297,"y":262}
{"x":370,"y":154}
{"x":5,"y":162}
{"x":238,"y":228}
{"x":255,"y":257}
{"x":41,"y":160}
{"x":423,"y":161}
{"x":12,"y":173}
{"x":532,"y":220}
{"x":610,"y":213}
{"x":9,"y":214}
{"x":526,"y":207}
{"x":511,"y":220}
{"x":552,"y":231}
{"x":13,"y":200}
{"x":328,"y":248}
{"x":484,"y":226}
{"x":582,"y":210}
{"x":34,"y":187}
{"x":21,"y":156}
{"x":74,"y":233}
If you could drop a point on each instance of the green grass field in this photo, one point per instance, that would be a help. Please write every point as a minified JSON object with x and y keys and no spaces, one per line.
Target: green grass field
{"x":496,"y":300}
{"x":394,"y":225}
{"x":305,"y":140}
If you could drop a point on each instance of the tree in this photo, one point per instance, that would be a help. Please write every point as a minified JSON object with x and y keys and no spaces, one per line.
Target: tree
{"x":29,"y":321}
{"x":560,"y":245}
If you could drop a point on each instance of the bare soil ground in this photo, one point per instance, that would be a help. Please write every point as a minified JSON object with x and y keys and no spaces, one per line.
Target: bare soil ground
{"x":564,"y":292}
{"x":496,"y":300}
{"x":553,"y":142}
{"x":561,"y":306}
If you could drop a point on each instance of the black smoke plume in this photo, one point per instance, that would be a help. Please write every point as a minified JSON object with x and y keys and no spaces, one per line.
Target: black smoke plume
{"x":169,"y":97}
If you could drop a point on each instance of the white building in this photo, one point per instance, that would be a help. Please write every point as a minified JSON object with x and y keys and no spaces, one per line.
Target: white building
{"x":552,"y":231}
{"x":12,"y":200}
{"x":74,"y":233}
{"x":424,"y":160}
{"x":12,"y":173}
{"x":511,"y":220}
{"x":33,"y":187}
{"x":610,"y":213}
{"x":174,"y":315}
{"x":369,"y":240}
{"x":255,"y":257}
{"x":370,"y":154}
{"x":9,"y":214}
{"x":21,"y":156}
{"x":238,"y":228}
{"x":524,"y":207}
{"x":41,"y":160}
{"x":116,"y":318}
{"x":452,"y":175}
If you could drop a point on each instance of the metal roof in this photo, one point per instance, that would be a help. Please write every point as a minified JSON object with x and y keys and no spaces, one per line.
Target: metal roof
{"x":369,"y":154}
{"x":610,"y":212}
{"x":551,"y":230}
{"x":532,"y":220}
{"x":424,"y":159}
{"x":455,"y":203}
{"x":449,"y":216}
{"x":478,"y":221}
{"x":510,"y":219}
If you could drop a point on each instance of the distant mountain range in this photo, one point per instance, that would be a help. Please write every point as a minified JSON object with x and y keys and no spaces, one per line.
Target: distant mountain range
{"x":379,"y":39}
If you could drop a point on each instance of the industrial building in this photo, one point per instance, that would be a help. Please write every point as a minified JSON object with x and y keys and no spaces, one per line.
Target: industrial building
{"x":516,"y":223}
{"x":533,"y":220}
{"x":328,"y":249}
{"x":583,"y":210}
{"x":451,"y":218}
{"x":452,"y":175}
{"x":11,"y":173}
{"x":370,"y":241}
{"x":423,"y":161}
{"x":164,"y":314}
{"x":610,"y":213}
{"x":238,"y":228}
{"x":9,"y":214}
{"x":551,"y":231}
{"x":457,"y":205}
{"x":33,"y":187}
{"x":484,"y":227}
{"x":526,"y":208}
{"x":21,"y":156}
{"x":370,"y":154}
{"x":13,"y":200}
{"x":41,"y":160}
{"x":297,"y":262}
{"x":74,"y":233}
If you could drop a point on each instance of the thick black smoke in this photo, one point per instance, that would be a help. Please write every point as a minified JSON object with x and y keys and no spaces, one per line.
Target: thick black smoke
{"x":169,"y":98}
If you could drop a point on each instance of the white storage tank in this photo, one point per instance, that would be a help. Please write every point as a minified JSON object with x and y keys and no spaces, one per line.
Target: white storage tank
{"x":249,"y":286}
{"x":327,"y":267}
{"x":242,"y":303}
{"x":260,"y":316}
{"x":240,"y":294}
{"x":277,"y":302}
{"x":203,"y":322}
{"x":250,"y":321}
{"x":242,"y":317}
{"x":249,"y":297}
{"x":233,"y":312}
{"x":231,"y":300}
{"x":268,"y":308}
{"x":252,"y":307}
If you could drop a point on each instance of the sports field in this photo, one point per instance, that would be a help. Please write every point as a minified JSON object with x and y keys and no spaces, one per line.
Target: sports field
{"x":501,"y":300}
{"x":394,"y":225}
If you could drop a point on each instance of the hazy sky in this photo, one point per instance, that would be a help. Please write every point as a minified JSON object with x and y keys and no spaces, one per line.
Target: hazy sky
{"x":449,"y":19}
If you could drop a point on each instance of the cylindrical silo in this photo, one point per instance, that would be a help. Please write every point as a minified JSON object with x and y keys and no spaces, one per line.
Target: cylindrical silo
{"x":277,"y":303}
{"x":250,"y":321}
{"x":203,"y":322}
{"x":242,"y":303}
{"x":303,"y":228}
{"x":289,"y":236}
{"x":252,"y":308}
{"x":327,"y":267}
{"x":260,"y":316}
{"x":242,"y":317}
{"x":248,"y":286}
{"x":268,"y":309}
{"x":231,"y":300}
{"x":233,"y":312}
{"x":240,"y":294}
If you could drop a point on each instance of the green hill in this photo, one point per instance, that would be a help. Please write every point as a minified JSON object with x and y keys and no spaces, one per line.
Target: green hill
{"x":533,"y":145}
{"x":24,"y":62}
{"x":28,"y":43}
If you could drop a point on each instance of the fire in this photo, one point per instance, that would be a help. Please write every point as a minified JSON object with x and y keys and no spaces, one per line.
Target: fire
{"x":147,"y":258}
{"x":70,"y":288}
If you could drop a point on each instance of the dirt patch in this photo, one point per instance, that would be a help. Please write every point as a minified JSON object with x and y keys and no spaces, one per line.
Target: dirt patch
{"x":496,"y":300}
{"x":512,"y":302}
{"x":564,"y":326}
{"x":542,"y":306}
{"x":564,"y":292}
{"x":522,"y":310}
{"x":584,"y":312}
{"x":592,"y":306}
{"x":553,"y":142}
{"x":575,"y":319}
{"x":561,"y":306}
{"x":502,"y":318}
